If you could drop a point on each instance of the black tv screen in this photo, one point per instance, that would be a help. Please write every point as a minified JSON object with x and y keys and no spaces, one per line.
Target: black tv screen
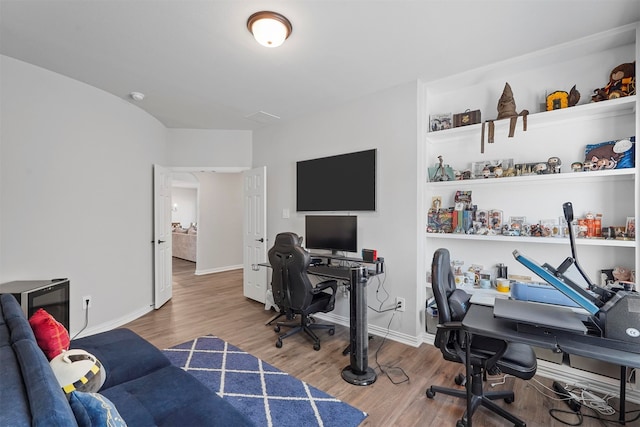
{"x":346,"y":182}
{"x":334,"y":232}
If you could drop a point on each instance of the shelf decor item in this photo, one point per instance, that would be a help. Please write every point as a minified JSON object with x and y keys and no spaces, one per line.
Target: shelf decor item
{"x":440,"y":121}
{"x":561,"y":99}
{"x":491,"y":168}
{"x":557,"y":100}
{"x":441,"y":172}
{"x":467,"y":118}
{"x":506,"y":110}
{"x":619,"y":154}
{"x":622,"y":82}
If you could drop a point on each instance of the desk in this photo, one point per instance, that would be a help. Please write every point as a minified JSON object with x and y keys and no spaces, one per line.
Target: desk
{"x":479,"y":320}
{"x":358,"y":372}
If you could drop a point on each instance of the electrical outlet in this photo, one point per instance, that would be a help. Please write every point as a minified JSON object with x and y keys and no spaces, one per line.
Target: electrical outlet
{"x":400,"y":304}
{"x":86,"y":302}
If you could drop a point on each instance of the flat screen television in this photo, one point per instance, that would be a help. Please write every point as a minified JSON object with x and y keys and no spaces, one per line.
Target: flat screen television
{"x":334,"y":232}
{"x":346,"y":182}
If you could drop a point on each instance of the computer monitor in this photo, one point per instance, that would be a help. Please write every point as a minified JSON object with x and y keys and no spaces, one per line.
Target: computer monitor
{"x":334,"y":232}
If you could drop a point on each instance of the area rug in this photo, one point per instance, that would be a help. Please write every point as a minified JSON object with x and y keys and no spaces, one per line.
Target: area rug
{"x":268,"y":396}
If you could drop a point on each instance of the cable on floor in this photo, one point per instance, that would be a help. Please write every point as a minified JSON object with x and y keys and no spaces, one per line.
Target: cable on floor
{"x":599,"y":405}
{"x":386,"y":369}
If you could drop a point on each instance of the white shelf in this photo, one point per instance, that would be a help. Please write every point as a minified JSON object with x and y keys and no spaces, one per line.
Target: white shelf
{"x":540,"y":240}
{"x":570,"y":177}
{"x":590,"y":111}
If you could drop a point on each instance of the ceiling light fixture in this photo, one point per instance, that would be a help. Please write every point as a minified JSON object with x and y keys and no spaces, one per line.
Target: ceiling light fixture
{"x":137,"y":96}
{"x":270,"y":29}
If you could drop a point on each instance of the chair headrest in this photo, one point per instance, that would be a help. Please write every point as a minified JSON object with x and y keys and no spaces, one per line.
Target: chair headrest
{"x":288,"y":239}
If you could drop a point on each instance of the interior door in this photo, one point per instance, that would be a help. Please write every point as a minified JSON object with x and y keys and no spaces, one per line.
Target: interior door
{"x":162,"y":235}
{"x":255,"y":233}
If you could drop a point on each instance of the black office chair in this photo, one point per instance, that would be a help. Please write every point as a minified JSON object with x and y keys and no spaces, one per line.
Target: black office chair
{"x":293,"y":292}
{"x":487,"y":355}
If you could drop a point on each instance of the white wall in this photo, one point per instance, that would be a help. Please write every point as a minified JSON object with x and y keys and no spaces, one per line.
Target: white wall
{"x":220,"y":222}
{"x":76,"y":190}
{"x":386,"y":121}
{"x":186,"y":200}
{"x":209,"y":148}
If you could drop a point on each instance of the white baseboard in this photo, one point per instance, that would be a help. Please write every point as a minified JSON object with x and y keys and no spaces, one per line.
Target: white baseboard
{"x":114,"y":323}
{"x":218,"y":270}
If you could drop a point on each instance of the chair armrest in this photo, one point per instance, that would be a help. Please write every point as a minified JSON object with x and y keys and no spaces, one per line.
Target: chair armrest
{"x":333,"y":284}
{"x":450,"y":326}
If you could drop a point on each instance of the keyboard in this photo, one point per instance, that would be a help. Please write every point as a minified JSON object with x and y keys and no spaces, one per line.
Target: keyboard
{"x":330,"y":271}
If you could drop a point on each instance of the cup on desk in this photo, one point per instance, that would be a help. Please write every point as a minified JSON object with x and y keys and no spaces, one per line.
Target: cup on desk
{"x":485,"y":283}
{"x":459,"y":279}
{"x":469,"y":278}
{"x":503,"y":285}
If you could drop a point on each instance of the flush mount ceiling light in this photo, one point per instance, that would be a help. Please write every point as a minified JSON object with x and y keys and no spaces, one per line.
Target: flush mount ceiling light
{"x":270,"y":29}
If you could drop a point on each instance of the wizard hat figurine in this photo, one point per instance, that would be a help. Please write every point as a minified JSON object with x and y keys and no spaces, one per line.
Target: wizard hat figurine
{"x":506,"y":110}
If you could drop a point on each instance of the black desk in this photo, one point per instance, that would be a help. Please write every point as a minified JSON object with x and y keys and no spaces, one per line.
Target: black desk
{"x":480,"y":320}
{"x":358,"y":372}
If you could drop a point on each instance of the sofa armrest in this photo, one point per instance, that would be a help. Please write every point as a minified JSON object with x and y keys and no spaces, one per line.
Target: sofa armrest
{"x":123,"y":354}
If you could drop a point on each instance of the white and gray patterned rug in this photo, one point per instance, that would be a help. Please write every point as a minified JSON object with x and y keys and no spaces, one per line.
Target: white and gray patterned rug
{"x":265,"y":394}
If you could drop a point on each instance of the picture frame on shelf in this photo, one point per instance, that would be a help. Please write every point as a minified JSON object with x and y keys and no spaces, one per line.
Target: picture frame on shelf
{"x":441,"y":121}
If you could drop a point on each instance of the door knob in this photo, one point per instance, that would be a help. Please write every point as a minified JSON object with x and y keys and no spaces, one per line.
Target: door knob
{"x":161,"y":241}
{"x":261,"y":240}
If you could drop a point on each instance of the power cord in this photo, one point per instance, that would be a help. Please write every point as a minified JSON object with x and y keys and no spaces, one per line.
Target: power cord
{"x":385,"y":369}
{"x":576,"y":397}
{"x":86,"y":320}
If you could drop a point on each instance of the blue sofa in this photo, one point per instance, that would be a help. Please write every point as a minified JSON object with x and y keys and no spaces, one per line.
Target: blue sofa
{"x":141,"y":382}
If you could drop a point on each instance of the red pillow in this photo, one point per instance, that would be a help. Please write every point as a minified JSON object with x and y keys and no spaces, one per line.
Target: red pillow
{"x":51,"y":335}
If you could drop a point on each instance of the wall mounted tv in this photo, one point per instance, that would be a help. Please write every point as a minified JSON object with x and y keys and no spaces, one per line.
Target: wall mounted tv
{"x":346,"y":182}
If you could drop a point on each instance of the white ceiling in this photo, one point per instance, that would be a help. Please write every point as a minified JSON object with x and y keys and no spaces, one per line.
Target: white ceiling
{"x":200,"y":68}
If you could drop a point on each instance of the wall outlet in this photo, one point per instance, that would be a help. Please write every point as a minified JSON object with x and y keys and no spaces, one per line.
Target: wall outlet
{"x":400,"y":304}
{"x":86,"y":302}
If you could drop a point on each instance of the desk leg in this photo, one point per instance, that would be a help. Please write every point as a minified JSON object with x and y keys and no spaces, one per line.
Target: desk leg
{"x":623,"y":395}
{"x":358,"y":372}
{"x":467,"y":368}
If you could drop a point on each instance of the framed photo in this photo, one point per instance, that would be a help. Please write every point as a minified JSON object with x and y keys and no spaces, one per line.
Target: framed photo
{"x":440,"y":121}
{"x":630,"y":229}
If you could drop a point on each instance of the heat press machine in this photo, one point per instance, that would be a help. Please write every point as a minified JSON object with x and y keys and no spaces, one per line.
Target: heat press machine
{"x":614,"y":312}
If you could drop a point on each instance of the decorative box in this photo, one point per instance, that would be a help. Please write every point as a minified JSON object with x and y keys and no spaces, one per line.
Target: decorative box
{"x":467,"y":118}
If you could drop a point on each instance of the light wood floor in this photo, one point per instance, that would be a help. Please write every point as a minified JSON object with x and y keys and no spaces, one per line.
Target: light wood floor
{"x":214,"y":304}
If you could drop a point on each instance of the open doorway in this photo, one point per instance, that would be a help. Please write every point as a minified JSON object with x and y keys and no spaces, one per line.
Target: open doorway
{"x":184,"y":216}
{"x":207,"y":209}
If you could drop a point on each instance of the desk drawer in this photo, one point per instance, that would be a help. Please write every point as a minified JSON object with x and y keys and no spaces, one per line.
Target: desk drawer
{"x":548,"y":355}
{"x":595,"y":366}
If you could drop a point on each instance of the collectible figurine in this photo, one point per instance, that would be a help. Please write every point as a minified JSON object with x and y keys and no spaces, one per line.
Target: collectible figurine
{"x":622,"y":82}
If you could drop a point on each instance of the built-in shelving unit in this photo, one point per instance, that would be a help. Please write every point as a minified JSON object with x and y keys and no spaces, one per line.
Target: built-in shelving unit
{"x":563,"y":133}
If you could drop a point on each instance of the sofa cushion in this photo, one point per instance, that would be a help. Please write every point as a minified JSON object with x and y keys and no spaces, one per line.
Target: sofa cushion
{"x":20,"y":329}
{"x":51,"y":335}
{"x":124,"y":355}
{"x":171,"y":397}
{"x":10,"y":306}
{"x":94,"y":410}
{"x":47,"y":402}
{"x":14,"y":405}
